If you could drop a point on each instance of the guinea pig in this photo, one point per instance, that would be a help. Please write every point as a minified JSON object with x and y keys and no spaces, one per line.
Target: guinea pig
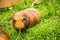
{"x":8,"y":3}
{"x":25,"y":18}
{"x":3,"y":35}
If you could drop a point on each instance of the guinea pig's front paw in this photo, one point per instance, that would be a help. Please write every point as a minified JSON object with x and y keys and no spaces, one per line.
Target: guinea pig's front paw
{"x":10,"y":8}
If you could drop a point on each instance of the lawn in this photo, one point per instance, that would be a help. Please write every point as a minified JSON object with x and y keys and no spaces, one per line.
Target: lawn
{"x":47,"y":29}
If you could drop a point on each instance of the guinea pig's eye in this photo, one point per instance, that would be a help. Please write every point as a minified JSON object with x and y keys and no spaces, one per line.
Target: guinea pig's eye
{"x":14,"y":21}
{"x":24,"y":20}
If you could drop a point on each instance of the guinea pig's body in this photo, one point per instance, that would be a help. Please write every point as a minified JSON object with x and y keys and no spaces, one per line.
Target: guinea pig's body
{"x":25,"y":18}
{"x":3,"y":35}
{"x":8,"y":3}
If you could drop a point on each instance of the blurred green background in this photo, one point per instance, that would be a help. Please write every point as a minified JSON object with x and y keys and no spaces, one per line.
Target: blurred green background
{"x":47,"y":29}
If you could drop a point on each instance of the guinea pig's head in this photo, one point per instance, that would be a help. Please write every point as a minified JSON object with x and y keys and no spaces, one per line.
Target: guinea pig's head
{"x":18,"y":21}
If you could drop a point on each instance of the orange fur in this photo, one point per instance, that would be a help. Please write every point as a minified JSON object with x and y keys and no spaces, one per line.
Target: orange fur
{"x":8,"y":3}
{"x":3,"y":35}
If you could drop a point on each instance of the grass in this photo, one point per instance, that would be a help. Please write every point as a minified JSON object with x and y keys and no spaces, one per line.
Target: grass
{"x":47,"y":29}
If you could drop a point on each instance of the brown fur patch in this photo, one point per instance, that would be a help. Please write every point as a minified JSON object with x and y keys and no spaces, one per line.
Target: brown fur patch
{"x":3,"y":35}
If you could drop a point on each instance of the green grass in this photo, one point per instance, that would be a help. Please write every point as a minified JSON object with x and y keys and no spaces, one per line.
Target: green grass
{"x":47,"y":29}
